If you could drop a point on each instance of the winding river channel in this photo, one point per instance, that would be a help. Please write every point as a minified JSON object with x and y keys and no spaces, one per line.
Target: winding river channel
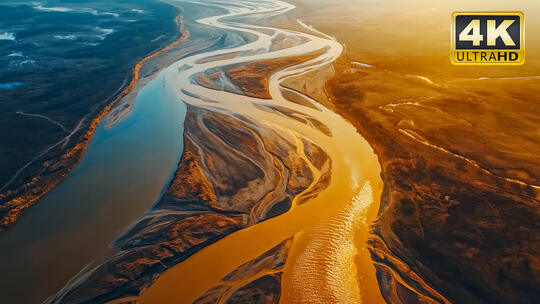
{"x":127,"y":167}
{"x":328,"y":262}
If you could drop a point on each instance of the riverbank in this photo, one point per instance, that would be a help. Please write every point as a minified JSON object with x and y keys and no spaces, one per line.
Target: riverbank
{"x":13,"y":204}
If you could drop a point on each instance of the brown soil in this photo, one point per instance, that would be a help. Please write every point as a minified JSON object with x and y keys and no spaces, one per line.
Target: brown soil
{"x":252,"y":78}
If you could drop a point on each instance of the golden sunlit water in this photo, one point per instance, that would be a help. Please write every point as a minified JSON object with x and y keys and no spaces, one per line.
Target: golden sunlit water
{"x":312,"y":225}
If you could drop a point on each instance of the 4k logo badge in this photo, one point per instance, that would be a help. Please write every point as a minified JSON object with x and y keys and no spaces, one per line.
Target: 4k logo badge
{"x":484,"y":38}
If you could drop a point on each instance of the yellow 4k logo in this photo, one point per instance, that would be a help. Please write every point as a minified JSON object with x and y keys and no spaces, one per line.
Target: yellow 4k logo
{"x":488,"y":38}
